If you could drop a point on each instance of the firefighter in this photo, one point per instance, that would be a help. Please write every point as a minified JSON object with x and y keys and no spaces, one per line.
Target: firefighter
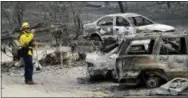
{"x":26,"y":41}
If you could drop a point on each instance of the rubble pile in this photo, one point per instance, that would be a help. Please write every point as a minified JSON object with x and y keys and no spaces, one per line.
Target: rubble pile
{"x":68,"y":57}
{"x":5,"y":67}
{"x":173,"y":87}
{"x":83,"y":45}
{"x":54,"y":58}
{"x":44,"y":56}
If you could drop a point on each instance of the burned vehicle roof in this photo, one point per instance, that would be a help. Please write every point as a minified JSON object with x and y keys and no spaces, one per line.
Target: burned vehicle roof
{"x":125,"y":14}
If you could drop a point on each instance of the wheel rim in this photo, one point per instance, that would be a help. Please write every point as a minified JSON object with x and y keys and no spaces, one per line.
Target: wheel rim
{"x":152,"y":82}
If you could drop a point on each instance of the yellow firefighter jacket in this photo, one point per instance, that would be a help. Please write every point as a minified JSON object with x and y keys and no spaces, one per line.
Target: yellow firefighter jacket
{"x":25,"y":40}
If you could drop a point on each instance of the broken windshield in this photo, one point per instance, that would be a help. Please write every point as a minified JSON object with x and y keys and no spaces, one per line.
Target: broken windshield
{"x":172,"y":46}
{"x":133,"y":47}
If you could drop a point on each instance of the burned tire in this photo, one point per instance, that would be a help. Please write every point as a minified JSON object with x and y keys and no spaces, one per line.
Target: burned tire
{"x":92,"y":78}
{"x":153,"y":78}
{"x":114,"y":77}
{"x":95,"y":38}
{"x":89,"y":65}
{"x":152,"y":82}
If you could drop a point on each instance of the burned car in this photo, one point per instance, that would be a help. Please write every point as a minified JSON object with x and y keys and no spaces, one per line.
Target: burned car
{"x":163,"y":58}
{"x":114,"y":26}
{"x":102,"y":63}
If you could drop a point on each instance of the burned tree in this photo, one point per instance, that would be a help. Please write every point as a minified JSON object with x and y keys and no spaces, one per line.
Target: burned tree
{"x":13,"y":13}
{"x":77,"y":22}
{"x":168,"y":4}
{"x":121,"y":6}
{"x":19,"y":12}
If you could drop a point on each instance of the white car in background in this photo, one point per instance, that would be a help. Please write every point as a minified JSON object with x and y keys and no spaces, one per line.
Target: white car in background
{"x":122,"y":24}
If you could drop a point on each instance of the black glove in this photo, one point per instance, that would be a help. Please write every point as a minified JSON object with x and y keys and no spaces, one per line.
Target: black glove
{"x":23,"y":51}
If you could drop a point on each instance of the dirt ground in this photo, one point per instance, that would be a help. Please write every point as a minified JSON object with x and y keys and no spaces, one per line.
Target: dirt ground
{"x":57,"y":81}
{"x":51,"y":81}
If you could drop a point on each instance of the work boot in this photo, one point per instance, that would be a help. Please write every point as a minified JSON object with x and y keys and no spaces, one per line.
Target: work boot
{"x":30,"y":82}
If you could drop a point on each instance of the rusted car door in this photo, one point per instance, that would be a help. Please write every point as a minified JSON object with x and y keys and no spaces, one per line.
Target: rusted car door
{"x":134,"y":56}
{"x":173,"y":58}
{"x":105,"y":26}
{"x":122,"y":27}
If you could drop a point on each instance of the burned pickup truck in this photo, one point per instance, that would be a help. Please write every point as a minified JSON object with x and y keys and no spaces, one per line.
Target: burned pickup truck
{"x":163,"y":58}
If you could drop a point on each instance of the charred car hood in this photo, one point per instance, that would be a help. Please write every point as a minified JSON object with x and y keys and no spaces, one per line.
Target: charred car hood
{"x":90,"y":27}
{"x":100,"y":60}
{"x":95,"y":57}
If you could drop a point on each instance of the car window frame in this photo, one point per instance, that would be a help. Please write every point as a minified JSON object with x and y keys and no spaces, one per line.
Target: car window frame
{"x":132,"y":22}
{"x":104,"y":18}
{"x":145,"y":18}
{"x":186,"y":43}
{"x":129,"y":24}
{"x":126,"y":46}
{"x":151,"y":50}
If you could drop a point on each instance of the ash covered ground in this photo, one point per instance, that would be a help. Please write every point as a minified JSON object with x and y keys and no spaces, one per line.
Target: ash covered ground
{"x":67,"y":82}
{"x":57,"y":81}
